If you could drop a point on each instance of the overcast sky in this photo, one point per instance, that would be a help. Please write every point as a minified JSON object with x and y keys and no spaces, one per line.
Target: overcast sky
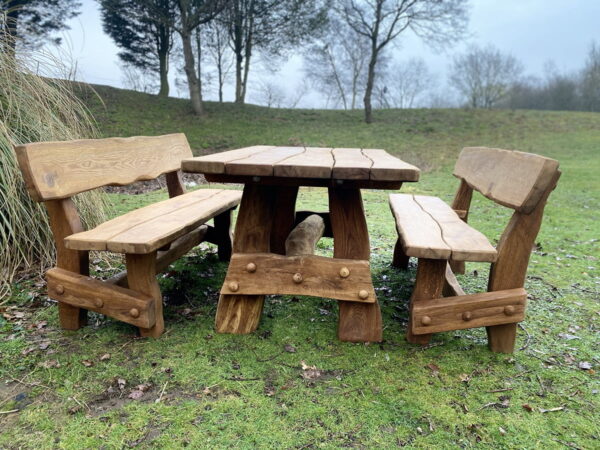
{"x":535,"y":31}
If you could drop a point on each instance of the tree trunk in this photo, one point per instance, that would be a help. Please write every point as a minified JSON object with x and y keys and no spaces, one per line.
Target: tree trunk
{"x":190,"y":71}
{"x":163,"y":63}
{"x":369,"y":88}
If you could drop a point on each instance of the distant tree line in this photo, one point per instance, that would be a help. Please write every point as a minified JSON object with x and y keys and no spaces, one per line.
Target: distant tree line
{"x":487,"y":78}
{"x":347,"y":48}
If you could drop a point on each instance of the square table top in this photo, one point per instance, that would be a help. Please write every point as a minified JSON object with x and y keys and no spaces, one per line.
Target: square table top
{"x":305,"y":162}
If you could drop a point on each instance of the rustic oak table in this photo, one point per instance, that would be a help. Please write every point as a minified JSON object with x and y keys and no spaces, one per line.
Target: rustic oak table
{"x":259,"y":267}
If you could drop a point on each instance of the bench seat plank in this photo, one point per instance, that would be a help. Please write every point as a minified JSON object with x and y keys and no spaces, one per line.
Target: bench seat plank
{"x":429,"y":228}
{"x":149,"y":228}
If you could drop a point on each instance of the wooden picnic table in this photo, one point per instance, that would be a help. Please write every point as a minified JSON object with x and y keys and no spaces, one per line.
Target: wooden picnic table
{"x":259,"y":265}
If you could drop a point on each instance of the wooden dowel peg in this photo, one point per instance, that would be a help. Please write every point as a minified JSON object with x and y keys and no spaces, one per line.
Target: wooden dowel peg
{"x":251,"y":267}
{"x":134,"y":312}
{"x":297,"y":278}
{"x":426,"y":320}
{"x":509,"y":310}
{"x":344,"y":272}
{"x":363,"y":294}
{"x":233,"y":286}
{"x":466,"y":316}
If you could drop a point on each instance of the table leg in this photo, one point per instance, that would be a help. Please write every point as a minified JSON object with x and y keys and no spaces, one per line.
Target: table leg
{"x":358,"y":322}
{"x":283,"y":217}
{"x":240,"y":314}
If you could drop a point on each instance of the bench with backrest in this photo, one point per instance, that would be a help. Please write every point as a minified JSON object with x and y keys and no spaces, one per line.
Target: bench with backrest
{"x":150,"y":237}
{"x":439,"y":236}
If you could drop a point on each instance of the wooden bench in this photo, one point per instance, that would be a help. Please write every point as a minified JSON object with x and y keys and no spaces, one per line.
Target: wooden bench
{"x":439,"y":236}
{"x":150,"y":237}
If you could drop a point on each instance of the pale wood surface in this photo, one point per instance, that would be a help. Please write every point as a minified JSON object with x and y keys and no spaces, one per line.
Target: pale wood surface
{"x":261,"y":163}
{"x":283,"y":220}
{"x":54,"y":170}
{"x":351,"y":164}
{"x":429,"y":228}
{"x":358,"y":322}
{"x":315,"y":162}
{"x":452,"y":287}
{"x":310,"y":275}
{"x":81,"y":291}
{"x":215,"y":163}
{"x":303,"y":239}
{"x":387,"y":167}
{"x":511,"y":178}
{"x":469,"y":311}
{"x":306,"y":162}
{"x":147,"y":229}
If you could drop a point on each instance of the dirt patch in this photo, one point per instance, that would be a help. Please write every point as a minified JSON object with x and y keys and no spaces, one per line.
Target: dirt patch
{"x":143,"y":187}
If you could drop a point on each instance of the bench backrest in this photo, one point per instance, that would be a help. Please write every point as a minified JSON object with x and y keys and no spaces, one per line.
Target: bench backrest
{"x":514,"y":179}
{"x":56,"y":170}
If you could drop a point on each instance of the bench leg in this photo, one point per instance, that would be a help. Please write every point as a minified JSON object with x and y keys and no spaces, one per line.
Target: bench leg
{"x":501,"y":338}
{"x":400,"y":259}
{"x":358,"y":322}
{"x":429,"y":285}
{"x":223,"y":235}
{"x":141,"y":277}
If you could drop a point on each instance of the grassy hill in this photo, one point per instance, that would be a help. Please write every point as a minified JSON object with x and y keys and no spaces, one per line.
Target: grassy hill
{"x":59,"y":389}
{"x":426,"y":137}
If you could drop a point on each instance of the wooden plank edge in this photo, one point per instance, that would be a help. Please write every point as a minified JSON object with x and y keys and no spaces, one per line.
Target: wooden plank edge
{"x":469,"y":311}
{"x":299,"y":275}
{"x":85,"y":292}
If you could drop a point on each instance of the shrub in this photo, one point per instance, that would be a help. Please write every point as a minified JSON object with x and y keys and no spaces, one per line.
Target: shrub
{"x":34,"y":108}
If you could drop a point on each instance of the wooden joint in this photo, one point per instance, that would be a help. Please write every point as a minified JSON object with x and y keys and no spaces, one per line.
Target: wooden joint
{"x":309,"y":275}
{"x":84,"y":292}
{"x":469,"y":311}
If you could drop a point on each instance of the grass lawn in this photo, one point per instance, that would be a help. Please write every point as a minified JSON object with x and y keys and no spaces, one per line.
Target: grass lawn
{"x":101,"y":387}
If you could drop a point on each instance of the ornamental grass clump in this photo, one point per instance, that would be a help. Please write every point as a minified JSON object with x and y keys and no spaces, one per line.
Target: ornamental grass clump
{"x":34,"y":108}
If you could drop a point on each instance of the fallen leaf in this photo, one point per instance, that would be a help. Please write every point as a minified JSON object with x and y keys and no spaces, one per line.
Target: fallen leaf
{"x":567,"y":336}
{"x":309,"y":372}
{"x":434,"y":368}
{"x":51,"y":363}
{"x":527,"y":407}
{"x":502,"y":431}
{"x":585,"y":365}
{"x":87,"y":363}
{"x":560,"y":408}
{"x":121,"y":383}
{"x":41,"y":324}
{"x":44,"y":345}
{"x":465,"y":378}
{"x":27,"y":351}
{"x":105,"y":357}
{"x":135,"y":394}
{"x":290,"y":348}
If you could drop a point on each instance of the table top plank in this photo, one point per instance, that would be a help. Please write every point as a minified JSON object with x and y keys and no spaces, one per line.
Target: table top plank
{"x":351,"y":164}
{"x":305,"y":163}
{"x":261,"y":163}
{"x":313,"y":162}
{"x":388,"y":168}
{"x":216,"y":162}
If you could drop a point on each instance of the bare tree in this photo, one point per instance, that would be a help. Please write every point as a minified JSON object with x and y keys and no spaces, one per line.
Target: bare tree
{"x":269,"y":93}
{"x":216,"y":42}
{"x":337,"y":65}
{"x":382,"y":21}
{"x":590,"y":80}
{"x":405,"y":84}
{"x":485,"y":75}
{"x":192,"y":14}
{"x":138,"y":79}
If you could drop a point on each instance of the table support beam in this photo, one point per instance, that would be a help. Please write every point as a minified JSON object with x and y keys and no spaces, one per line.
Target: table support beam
{"x":240,"y":314}
{"x":358,"y":322}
